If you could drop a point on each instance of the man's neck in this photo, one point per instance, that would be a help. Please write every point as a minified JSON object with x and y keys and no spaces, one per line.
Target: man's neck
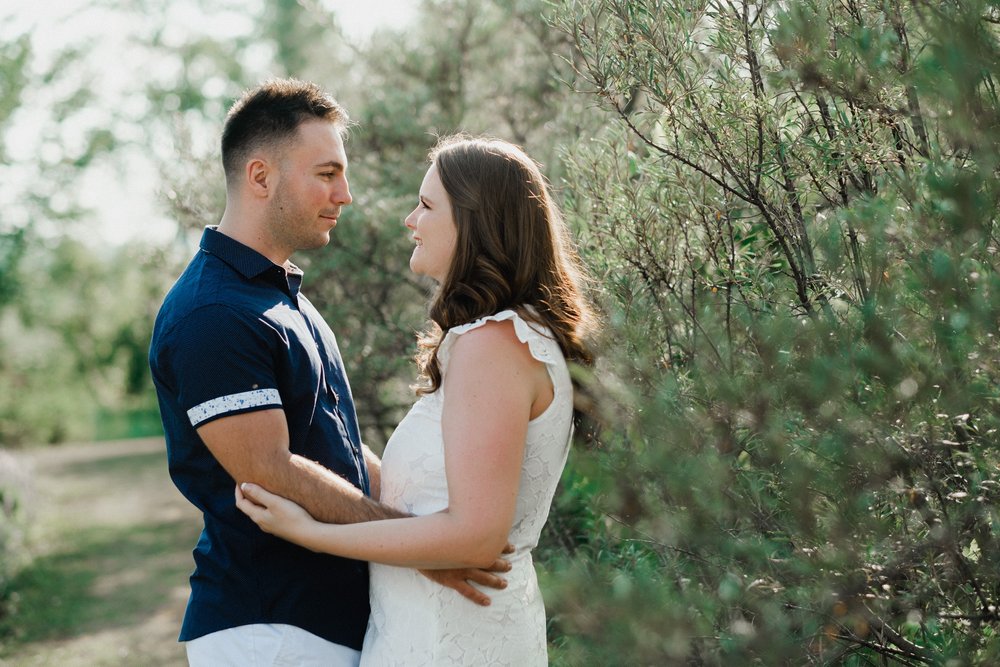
{"x":252,"y":236}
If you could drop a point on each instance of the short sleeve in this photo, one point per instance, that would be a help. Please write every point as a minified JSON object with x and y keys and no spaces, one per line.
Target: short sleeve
{"x":222,"y":362}
{"x":540,"y":342}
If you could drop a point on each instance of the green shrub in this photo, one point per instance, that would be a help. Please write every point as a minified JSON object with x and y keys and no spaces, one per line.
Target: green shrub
{"x":793,"y":213}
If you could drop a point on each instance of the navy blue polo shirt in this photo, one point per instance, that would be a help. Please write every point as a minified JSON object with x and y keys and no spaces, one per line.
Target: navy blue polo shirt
{"x":234,"y":335}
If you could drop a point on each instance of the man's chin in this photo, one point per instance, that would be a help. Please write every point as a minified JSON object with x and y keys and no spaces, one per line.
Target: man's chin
{"x":315,"y":242}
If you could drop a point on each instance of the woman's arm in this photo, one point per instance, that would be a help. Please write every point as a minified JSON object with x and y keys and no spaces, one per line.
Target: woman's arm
{"x":490,"y":387}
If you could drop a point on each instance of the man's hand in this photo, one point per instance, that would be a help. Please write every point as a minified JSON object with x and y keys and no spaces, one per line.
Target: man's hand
{"x":458,"y":579}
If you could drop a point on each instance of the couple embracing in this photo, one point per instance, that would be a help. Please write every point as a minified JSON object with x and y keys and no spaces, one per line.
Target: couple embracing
{"x":314,"y":551}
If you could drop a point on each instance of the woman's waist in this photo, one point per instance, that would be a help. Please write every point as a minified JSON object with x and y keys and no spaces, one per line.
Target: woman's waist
{"x":521,"y":574}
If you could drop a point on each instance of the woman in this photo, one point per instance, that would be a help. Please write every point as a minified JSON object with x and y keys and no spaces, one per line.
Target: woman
{"x":478,"y":457}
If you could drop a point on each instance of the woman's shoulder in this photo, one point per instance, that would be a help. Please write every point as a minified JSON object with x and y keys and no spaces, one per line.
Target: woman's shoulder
{"x":505,"y":326}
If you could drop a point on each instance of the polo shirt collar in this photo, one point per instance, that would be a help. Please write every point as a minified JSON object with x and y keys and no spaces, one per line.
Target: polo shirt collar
{"x":248,"y":262}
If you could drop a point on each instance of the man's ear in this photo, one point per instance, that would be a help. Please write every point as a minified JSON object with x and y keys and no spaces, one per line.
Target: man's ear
{"x":259,"y":177}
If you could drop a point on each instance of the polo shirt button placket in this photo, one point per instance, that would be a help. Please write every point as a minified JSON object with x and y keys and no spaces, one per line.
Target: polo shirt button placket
{"x":333,"y":392}
{"x":355,"y":446}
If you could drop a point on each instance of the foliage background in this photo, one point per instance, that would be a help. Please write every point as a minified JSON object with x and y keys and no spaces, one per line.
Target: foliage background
{"x":788,"y":209}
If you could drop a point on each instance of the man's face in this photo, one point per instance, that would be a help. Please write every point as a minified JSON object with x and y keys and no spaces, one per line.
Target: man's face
{"x":312,"y":188}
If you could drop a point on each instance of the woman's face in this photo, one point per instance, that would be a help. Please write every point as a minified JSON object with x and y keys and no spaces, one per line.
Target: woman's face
{"x":434,"y":230}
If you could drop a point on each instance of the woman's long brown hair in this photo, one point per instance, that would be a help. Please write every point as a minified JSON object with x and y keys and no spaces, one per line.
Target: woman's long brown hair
{"x":512,"y":251}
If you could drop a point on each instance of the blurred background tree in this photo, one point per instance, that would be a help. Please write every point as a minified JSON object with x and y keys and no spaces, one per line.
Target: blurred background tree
{"x":789,"y":210}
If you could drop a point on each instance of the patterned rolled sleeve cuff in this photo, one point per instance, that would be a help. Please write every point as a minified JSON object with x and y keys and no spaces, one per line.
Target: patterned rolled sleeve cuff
{"x":233,"y":403}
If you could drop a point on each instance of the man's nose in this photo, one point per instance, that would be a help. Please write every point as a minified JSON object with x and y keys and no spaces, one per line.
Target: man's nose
{"x":342,"y":195}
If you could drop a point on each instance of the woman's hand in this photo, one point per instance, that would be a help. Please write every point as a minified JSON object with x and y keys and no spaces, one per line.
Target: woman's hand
{"x":274,"y":514}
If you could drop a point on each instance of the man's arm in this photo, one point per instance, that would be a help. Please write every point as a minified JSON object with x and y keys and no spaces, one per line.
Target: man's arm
{"x":492,"y":383}
{"x":253,"y":447}
{"x":374,"y":464}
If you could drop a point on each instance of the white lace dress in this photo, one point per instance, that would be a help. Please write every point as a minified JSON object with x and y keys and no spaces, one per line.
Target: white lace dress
{"x":417,"y":622}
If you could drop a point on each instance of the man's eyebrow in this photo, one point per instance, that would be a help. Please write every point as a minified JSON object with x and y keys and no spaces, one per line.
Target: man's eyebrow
{"x":333,"y":164}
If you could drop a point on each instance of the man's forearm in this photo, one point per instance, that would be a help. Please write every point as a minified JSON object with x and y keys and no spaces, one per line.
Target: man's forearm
{"x":329,"y":497}
{"x":253,"y":447}
{"x":374,"y":472}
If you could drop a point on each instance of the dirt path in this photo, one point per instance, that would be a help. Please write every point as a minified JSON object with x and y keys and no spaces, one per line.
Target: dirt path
{"x":112,"y":540}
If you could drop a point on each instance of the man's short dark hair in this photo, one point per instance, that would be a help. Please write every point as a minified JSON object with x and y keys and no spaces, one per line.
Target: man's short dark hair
{"x":271,"y":114}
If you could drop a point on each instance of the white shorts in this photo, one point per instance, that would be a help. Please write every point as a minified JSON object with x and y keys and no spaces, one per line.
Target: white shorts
{"x":268,"y":645}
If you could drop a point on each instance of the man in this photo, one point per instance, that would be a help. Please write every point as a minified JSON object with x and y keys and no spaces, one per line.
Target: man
{"x":252,"y":388}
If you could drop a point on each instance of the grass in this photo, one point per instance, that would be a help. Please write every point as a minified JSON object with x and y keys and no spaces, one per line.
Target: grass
{"x":110,"y":541}
{"x":108,"y":577}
